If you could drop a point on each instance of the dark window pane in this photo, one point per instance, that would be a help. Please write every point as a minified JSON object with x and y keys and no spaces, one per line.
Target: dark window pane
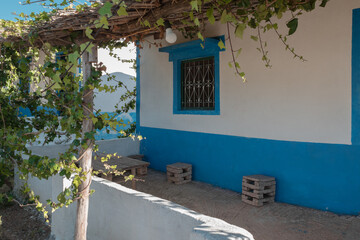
{"x":198,"y":84}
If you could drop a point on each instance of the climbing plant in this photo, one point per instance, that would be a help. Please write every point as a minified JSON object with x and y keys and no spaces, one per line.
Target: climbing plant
{"x":36,"y":81}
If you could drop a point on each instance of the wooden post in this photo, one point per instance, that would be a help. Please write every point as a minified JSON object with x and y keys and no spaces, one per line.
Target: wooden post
{"x":133,"y":183}
{"x":93,"y":56}
{"x":85,"y":162}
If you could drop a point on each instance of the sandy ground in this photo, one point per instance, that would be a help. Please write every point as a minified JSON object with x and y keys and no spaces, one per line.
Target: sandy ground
{"x":276,"y":221}
{"x":22,"y":224}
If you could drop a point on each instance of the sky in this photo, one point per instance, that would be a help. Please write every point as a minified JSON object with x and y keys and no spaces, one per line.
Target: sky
{"x":8,"y":7}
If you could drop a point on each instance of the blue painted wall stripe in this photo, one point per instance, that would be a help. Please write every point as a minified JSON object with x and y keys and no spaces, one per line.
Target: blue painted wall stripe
{"x":355,"y":74}
{"x":321,"y":176}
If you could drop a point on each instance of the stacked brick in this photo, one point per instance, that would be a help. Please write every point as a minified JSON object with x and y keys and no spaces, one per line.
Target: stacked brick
{"x":258,"y":190}
{"x":179,"y":173}
{"x":139,"y":171}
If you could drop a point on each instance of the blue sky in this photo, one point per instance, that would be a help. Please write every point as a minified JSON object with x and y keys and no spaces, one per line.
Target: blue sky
{"x":11,"y":6}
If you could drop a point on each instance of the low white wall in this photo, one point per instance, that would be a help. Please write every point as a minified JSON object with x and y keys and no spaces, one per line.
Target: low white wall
{"x":44,"y":188}
{"x":117,"y":212}
{"x":122,"y":146}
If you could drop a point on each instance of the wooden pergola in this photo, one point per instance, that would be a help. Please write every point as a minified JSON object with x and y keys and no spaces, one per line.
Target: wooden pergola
{"x":68,"y":25}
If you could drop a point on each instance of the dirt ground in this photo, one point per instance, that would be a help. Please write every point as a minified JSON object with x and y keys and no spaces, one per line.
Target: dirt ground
{"x":22,"y":224}
{"x":276,"y":221}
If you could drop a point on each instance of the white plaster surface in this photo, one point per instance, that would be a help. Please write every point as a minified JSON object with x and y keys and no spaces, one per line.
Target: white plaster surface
{"x":45,"y":187}
{"x":42,"y":188}
{"x":122,"y":146}
{"x":117,"y":212}
{"x":294,"y":101}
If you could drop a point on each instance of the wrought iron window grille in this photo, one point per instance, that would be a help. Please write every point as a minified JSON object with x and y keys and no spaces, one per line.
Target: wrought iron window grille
{"x":198,"y":84}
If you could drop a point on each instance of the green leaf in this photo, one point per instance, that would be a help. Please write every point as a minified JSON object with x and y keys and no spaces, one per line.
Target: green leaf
{"x":122,"y":11}
{"x":255,"y":38}
{"x":56,"y":86}
{"x":210,"y":15}
{"x":76,"y":142}
{"x":83,"y":46}
{"x":239,"y":31}
{"x":221,"y":44}
{"x":238,"y":52}
{"x":200,"y":36}
{"x":194,"y":5}
{"x":73,"y":57}
{"x":292,"y":25}
{"x":323,"y":3}
{"x":94,"y":120}
{"x":106,"y":9}
{"x":56,"y":77}
{"x":102,"y":23}
{"x":88,"y":32}
{"x":89,"y":49}
{"x":160,"y":22}
{"x":224,"y":17}
{"x":197,"y":22}
{"x":146,"y":23}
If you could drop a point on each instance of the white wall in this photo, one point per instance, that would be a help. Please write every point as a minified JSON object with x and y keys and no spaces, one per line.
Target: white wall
{"x":117,"y":212}
{"x":123,"y":146}
{"x":114,"y":65}
{"x":295,"y":101}
{"x":44,"y":188}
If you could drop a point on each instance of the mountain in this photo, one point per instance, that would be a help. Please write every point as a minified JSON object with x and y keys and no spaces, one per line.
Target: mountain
{"x":107,"y":101}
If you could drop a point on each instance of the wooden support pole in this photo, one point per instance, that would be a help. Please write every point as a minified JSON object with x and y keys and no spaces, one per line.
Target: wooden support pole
{"x":85,"y":162}
{"x":133,"y":183}
{"x":93,"y":57}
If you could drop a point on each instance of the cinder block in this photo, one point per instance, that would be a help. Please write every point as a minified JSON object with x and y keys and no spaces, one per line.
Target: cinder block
{"x":179,"y":173}
{"x":256,"y":202}
{"x":141,"y":171}
{"x":258,"y":190}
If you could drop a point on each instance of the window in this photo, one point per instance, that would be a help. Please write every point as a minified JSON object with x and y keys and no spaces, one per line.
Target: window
{"x":196,"y":76}
{"x":198,"y":84}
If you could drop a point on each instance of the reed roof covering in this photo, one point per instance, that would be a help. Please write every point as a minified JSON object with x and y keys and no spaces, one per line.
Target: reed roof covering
{"x":67,"y":25}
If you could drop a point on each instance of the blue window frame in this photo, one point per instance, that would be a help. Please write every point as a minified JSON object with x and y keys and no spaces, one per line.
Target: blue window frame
{"x":194,"y":51}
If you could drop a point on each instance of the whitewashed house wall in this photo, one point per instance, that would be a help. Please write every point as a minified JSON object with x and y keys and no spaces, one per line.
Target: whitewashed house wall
{"x":295,"y":121}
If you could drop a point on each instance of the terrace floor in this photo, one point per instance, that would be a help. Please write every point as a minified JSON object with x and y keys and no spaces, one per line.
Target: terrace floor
{"x":274,"y":221}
